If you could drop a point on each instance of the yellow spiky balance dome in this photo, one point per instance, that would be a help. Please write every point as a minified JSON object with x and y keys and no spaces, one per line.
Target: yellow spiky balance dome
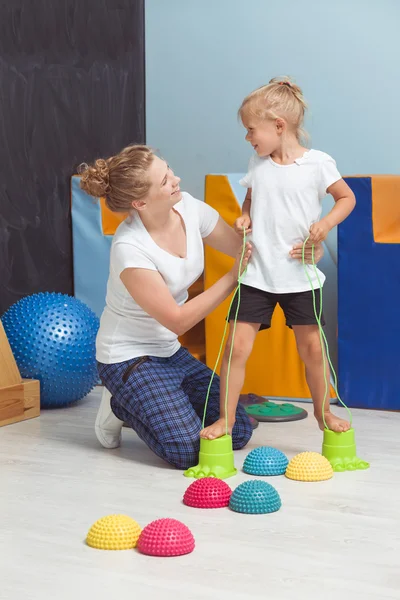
{"x":309,"y":466}
{"x":114,"y":532}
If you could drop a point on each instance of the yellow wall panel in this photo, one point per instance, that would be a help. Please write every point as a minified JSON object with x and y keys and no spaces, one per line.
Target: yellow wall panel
{"x":386,"y":209}
{"x":109,"y":219}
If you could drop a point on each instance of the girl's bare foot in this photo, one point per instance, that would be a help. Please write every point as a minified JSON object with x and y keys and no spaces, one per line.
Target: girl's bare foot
{"x":216,"y":430}
{"x":333,"y":422}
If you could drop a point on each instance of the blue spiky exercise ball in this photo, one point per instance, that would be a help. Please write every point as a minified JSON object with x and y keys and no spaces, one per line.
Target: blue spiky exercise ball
{"x":53,"y":338}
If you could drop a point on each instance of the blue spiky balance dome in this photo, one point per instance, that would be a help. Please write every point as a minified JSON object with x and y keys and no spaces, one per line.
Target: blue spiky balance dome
{"x":255,"y":497}
{"x":265,"y":461}
{"x":53,"y":338}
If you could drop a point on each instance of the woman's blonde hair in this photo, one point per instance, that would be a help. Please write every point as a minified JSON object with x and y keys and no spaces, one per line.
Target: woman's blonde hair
{"x":281,"y":98}
{"x":120,"y":179}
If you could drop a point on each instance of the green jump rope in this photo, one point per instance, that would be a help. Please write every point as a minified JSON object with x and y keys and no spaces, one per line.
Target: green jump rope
{"x":323,"y":340}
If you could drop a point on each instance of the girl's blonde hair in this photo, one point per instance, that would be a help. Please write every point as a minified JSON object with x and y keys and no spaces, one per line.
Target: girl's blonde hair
{"x":120,"y":179}
{"x":281,"y":98}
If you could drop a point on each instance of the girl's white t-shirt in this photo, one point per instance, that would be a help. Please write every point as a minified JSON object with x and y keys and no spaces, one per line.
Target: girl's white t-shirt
{"x":286,"y":201}
{"x":126,"y":330}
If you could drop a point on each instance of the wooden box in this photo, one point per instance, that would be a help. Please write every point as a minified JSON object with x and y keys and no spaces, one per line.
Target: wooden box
{"x":19,"y":398}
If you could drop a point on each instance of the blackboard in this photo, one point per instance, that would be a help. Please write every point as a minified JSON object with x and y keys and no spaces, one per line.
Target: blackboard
{"x":72,"y":88}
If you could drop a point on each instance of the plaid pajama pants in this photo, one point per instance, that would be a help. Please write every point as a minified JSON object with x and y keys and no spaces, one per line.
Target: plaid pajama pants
{"x":162,"y":399}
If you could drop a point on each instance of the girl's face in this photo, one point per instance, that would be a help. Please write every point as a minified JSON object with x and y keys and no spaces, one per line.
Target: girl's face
{"x":164,"y":189}
{"x":265,"y":135}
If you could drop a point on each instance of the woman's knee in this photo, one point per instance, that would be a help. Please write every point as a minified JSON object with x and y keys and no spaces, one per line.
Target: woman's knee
{"x":241,"y":440}
{"x":184,"y":454}
{"x":243,"y":429}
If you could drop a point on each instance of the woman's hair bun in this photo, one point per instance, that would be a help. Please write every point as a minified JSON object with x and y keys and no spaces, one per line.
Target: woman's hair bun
{"x":95,"y":179}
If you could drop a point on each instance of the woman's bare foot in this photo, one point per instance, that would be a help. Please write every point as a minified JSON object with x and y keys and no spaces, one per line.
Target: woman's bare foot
{"x":216,"y":430}
{"x":333,"y":423}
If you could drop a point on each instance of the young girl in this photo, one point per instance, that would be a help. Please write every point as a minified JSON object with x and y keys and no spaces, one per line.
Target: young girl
{"x":285,"y":184}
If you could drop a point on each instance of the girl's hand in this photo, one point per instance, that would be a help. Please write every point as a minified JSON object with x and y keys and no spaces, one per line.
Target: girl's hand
{"x":235,"y":269}
{"x":243,"y":221}
{"x":319,"y":232}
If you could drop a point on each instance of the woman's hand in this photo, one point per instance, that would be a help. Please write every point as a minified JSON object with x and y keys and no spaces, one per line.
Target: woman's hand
{"x":237,"y":267}
{"x":297,"y":252}
{"x":243,"y":222}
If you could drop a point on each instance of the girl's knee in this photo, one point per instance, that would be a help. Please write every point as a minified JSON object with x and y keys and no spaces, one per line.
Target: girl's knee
{"x":309,"y":345}
{"x":242,"y":347}
{"x":311,"y":351}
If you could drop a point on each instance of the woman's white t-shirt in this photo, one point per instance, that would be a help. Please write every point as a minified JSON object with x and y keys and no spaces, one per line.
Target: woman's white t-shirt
{"x":286,"y":201}
{"x":126,"y":330}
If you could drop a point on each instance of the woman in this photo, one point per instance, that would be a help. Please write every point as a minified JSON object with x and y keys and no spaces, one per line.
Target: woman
{"x":157,"y":387}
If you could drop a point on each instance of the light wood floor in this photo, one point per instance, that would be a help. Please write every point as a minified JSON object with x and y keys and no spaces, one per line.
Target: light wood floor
{"x":330,"y":540}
